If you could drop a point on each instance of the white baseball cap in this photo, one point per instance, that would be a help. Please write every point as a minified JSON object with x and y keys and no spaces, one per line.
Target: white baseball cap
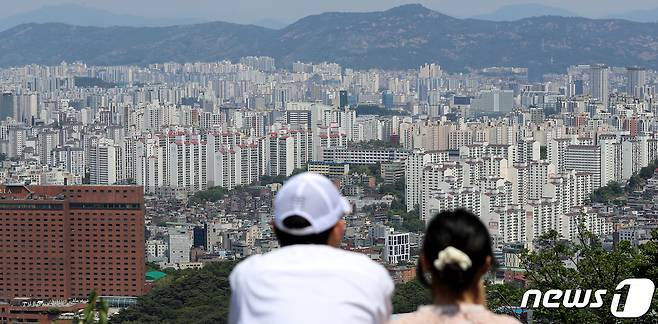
{"x":312,"y":197}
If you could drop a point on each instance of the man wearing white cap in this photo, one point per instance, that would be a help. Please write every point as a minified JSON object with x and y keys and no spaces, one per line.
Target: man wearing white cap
{"x":309,"y":279}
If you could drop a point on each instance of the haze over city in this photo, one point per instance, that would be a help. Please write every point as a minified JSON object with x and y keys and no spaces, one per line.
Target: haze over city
{"x":287,"y":11}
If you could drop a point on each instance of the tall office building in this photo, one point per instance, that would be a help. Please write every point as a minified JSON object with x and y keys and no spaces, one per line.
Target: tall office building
{"x":388,"y":99}
{"x":494,"y":101}
{"x":578,"y":87}
{"x":302,"y":118}
{"x":60,"y":242}
{"x":599,"y":83}
{"x":8,"y":107}
{"x":636,"y":80}
{"x":343,"y":98}
{"x":180,"y":243}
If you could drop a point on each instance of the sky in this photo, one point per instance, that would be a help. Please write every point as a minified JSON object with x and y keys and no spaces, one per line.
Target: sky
{"x":250,"y":11}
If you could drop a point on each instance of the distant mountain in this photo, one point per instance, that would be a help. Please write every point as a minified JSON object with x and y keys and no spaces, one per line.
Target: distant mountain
{"x":644,"y":15}
{"x":399,"y":38}
{"x":271,"y":23}
{"x":87,"y":16}
{"x":526,"y":10}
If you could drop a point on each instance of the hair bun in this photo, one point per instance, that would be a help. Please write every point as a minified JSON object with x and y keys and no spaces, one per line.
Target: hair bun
{"x":452,"y":255}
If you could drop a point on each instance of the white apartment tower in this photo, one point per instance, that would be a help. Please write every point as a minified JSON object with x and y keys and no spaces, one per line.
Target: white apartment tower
{"x":415,"y":163}
{"x":187,"y":162}
{"x":105,"y":160}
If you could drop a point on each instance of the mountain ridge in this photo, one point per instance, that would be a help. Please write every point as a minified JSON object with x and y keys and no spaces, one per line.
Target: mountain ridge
{"x":87,"y":16}
{"x":520,"y":11}
{"x":399,"y":38}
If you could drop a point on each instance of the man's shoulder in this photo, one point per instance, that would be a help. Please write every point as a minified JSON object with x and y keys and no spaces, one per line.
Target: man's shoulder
{"x":361,"y":258}
{"x":311,"y":253}
{"x":245,"y":266}
{"x":361,"y":263}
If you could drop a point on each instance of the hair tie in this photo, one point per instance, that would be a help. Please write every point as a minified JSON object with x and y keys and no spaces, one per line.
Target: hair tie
{"x":451,"y":255}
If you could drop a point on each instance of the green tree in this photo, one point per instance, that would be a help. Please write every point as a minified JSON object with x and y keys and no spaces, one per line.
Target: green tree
{"x":396,"y":189}
{"x":409,"y":296}
{"x":411,"y":221}
{"x":299,"y":170}
{"x":582,"y":263}
{"x":648,"y":171}
{"x":634,"y":183}
{"x":185,"y":296}
{"x":500,"y":296}
{"x":212,"y":194}
{"x":607,"y":193}
{"x":95,"y":307}
{"x":644,"y":266}
{"x":361,"y":169}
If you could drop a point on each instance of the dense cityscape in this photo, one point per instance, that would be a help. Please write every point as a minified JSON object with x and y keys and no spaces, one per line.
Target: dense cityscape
{"x":210,"y":143}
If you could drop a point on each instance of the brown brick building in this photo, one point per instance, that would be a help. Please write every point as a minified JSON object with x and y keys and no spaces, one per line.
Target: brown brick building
{"x":60,"y":242}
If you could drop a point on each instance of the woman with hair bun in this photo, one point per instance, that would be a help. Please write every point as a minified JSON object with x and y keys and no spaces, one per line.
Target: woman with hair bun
{"x":456,"y":254}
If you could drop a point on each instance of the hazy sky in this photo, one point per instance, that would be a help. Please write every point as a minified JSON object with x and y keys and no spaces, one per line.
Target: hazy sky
{"x":290,"y":10}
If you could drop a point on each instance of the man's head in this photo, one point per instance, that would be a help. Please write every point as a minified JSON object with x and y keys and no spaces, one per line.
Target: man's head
{"x":309,"y":210}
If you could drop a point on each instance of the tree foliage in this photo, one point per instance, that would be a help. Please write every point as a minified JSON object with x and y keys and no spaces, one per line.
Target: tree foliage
{"x":373,"y":145}
{"x":396,"y":189}
{"x":411,"y":221}
{"x":372,"y":170}
{"x":648,"y":171}
{"x":585,"y":264}
{"x":634,"y":183}
{"x":212,"y":194}
{"x":409,"y":296}
{"x":188,"y":296}
{"x":614,"y":191}
{"x":266,"y":179}
{"x":500,"y":296}
{"x":95,"y":312}
{"x":607,"y":193}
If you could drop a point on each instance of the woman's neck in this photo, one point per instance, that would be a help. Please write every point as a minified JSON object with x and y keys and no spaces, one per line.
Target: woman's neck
{"x":472,"y":295}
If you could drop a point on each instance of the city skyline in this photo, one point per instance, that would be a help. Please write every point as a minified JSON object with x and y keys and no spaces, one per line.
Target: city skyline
{"x":196,"y":152}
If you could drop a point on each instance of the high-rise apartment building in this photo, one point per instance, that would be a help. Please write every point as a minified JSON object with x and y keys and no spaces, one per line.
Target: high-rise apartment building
{"x":636,"y":80}
{"x":414,"y":166}
{"x":599,"y":83}
{"x":584,"y":158}
{"x":104,"y":162}
{"x":60,"y":242}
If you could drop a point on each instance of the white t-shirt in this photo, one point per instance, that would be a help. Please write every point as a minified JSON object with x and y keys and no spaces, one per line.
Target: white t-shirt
{"x":310,"y":284}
